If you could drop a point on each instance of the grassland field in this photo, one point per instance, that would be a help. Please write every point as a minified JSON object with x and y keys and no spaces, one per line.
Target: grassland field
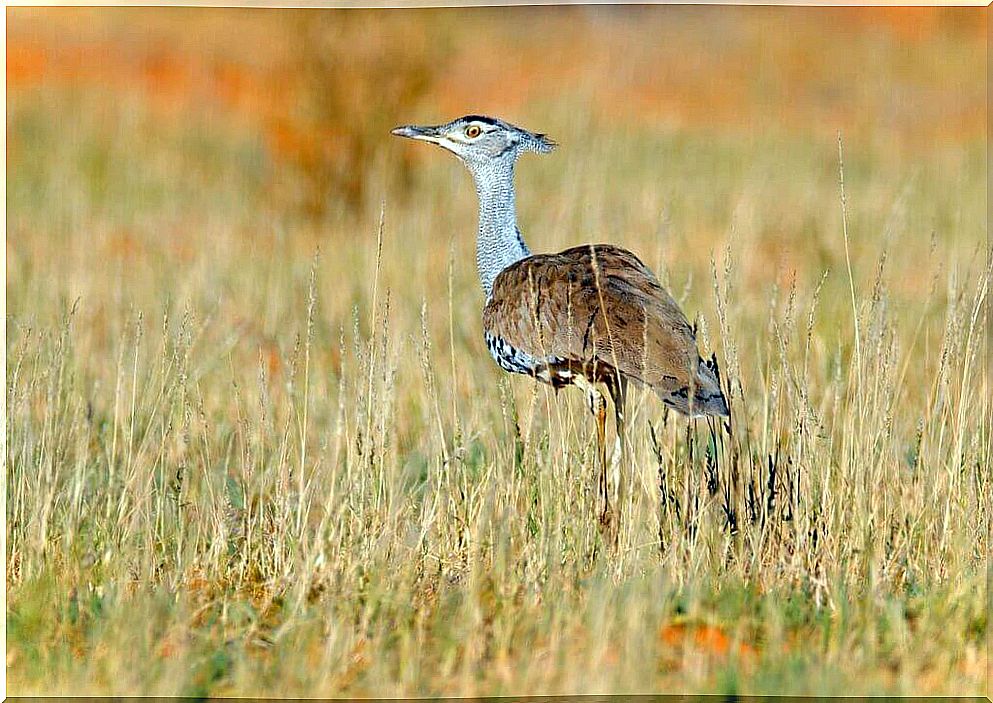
{"x":255,"y":445}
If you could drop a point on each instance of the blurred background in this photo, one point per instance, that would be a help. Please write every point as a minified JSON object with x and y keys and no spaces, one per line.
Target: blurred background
{"x":318,"y":90}
{"x":125,"y":124}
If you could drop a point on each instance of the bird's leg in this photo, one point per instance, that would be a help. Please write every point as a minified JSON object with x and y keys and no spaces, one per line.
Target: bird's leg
{"x":603,"y":483}
{"x":598,"y":406}
{"x":618,"y":393}
{"x":617,"y":386}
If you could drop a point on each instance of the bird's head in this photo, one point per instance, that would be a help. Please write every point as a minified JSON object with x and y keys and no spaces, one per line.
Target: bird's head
{"x":480,"y":141}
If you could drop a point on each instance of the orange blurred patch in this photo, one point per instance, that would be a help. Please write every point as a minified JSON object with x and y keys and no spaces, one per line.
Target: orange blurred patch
{"x":916,"y":23}
{"x":709,"y":639}
{"x":170,"y":645}
{"x":300,"y":94}
{"x":163,"y":72}
{"x":26,"y":64}
{"x":273,"y":359}
{"x":123,"y":245}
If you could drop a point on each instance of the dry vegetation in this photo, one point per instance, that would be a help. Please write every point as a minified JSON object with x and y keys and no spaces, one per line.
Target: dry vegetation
{"x":255,"y":445}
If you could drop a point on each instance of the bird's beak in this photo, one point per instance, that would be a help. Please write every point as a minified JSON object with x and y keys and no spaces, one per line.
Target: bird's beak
{"x":424,"y":134}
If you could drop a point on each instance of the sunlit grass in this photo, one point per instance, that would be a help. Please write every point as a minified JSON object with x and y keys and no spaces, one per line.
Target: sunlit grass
{"x":251,"y":451}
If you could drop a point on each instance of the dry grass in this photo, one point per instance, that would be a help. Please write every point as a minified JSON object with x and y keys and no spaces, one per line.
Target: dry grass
{"x":258,"y":449}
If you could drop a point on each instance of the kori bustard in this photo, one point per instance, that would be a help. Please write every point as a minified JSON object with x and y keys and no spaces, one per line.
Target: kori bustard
{"x":587,"y":316}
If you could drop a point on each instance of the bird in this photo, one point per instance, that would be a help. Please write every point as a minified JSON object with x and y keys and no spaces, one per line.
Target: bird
{"x":590,"y":316}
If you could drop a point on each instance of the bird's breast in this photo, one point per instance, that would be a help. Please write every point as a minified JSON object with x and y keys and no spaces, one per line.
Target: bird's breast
{"x":510,"y":358}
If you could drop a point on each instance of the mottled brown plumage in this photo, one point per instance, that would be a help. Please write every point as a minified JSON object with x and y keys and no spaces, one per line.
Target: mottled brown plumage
{"x":596,"y":310}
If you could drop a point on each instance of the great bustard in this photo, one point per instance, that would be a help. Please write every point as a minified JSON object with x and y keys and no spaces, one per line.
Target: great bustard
{"x":593,"y":314}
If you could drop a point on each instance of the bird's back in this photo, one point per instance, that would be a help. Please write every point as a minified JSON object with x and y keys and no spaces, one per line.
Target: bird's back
{"x":594,"y":308}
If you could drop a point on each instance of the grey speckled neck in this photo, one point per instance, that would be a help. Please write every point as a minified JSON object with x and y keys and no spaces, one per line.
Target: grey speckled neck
{"x":498,"y":243}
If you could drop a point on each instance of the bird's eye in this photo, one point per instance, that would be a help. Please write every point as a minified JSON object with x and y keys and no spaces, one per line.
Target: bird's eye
{"x":472,"y":131}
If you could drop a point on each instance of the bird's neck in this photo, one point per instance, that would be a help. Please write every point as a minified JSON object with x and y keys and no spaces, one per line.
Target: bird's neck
{"x":499,"y":242}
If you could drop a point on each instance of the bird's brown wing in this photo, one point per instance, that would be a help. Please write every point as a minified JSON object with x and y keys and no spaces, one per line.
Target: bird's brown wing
{"x":595,"y":303}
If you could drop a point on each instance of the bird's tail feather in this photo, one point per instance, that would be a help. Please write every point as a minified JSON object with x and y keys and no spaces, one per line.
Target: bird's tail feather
{"x":708,"y":397}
